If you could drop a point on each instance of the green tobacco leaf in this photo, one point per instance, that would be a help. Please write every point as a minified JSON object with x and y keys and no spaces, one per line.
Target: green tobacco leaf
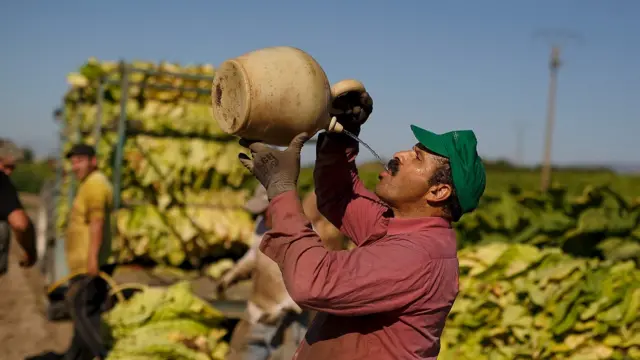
{"x":631,"y":305}
{"x":568,"y":321}
{"x":527,"y":234}
{"x":612,"y":316}
{"x":593,"y":309}
{"x":560,"y":271}
{"x":516,"y":315}
{"x":556,"y":307}
{"x":613,"y":200}
{"x":509,"y":210}
{"x":593,"y":220}
{"x":620,"y":223}
{"x":167,"y":323}
{"x":620,"y":249}
{"x":556,"y":222}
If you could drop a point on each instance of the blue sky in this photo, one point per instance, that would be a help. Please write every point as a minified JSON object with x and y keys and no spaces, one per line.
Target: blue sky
{"x":442,"y":65}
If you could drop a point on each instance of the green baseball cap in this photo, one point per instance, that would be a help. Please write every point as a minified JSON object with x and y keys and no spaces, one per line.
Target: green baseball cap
{"x":467,"y":169}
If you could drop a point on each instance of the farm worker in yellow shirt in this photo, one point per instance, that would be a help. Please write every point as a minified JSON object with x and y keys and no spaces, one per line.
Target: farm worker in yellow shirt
{"x":88,"y":246}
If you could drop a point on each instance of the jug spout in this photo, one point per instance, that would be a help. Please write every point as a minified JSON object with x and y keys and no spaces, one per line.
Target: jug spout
{"x":335,"y":126}
{"x":339,"y":100}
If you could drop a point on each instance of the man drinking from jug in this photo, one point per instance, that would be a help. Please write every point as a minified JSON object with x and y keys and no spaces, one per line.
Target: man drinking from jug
{"x":390,"y":296}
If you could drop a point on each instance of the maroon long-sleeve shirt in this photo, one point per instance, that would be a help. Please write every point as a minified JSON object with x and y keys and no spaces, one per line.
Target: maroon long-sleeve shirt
{"x":386,"y":299}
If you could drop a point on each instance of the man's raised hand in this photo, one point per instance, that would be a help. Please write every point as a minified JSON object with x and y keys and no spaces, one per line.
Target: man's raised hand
{"x":277,"y":170}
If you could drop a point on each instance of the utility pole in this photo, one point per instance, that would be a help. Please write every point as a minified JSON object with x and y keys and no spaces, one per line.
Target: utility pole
{"x":554,"y":64}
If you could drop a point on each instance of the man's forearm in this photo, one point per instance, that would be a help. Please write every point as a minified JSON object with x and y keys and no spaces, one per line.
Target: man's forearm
{"x":26,"y":238}
{"x":24,"y":231}
{"x":341,"y":196}
{"x":334,"y":176}
{"x":243,"y":267}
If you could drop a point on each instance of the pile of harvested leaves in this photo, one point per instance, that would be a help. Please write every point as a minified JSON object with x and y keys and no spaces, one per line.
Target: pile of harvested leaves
{"x":517,"y":301}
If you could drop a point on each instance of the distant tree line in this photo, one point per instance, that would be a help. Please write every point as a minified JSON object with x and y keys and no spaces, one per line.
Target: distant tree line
{"x":31,"y":173}
{"x":506,"y":165}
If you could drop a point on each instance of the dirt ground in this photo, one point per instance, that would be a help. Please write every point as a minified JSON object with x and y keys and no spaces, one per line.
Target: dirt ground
{"x":24,"y":329}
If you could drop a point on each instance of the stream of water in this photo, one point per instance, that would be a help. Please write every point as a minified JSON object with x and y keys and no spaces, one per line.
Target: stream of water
{"x":353,"y":136}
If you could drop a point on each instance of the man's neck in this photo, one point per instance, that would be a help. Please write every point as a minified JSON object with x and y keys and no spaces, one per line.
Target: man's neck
{"x":408,"y":211}
{"x":88,"y":174}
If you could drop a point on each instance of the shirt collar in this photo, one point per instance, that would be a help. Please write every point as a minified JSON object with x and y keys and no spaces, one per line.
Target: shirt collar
{"x":408,"y":225}
{"x":90,"y":174}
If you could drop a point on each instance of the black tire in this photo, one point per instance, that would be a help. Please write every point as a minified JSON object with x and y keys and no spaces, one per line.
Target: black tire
{"x":58,"y":311}
{"x":55,"y":307}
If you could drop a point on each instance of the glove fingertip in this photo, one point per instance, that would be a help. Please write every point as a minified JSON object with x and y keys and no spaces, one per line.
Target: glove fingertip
{"x":366,"y":99}
{"x":246,"y":161}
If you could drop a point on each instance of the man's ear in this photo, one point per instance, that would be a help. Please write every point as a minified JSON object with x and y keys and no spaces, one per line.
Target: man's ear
{"x":94,"y":161}
{"x":439,"y":193}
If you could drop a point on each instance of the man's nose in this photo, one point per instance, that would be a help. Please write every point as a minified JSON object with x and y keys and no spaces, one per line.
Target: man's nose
{"x":401,"y":155}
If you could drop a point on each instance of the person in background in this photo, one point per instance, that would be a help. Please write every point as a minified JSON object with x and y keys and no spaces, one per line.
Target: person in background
{"x":12,"y":214}
{"x":87,"y":248}
{"x":273,"y":324}
{"x":331,"y":237}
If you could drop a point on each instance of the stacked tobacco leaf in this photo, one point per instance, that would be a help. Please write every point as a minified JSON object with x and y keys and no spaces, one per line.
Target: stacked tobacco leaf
{"x":181,"y":183}
{"x":598,"y":223}
{"x":169,"y":323}
{"x":519,"y":302}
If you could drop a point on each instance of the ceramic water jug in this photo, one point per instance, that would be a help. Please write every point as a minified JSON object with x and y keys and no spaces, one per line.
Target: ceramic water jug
{"x":273,"y":94}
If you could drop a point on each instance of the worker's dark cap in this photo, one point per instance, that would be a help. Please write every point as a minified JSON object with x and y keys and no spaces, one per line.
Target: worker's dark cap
{"x":81,"y":150}
{"x":467,"y":169}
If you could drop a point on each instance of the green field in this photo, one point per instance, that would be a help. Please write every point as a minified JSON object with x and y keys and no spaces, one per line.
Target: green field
{"x":500,"y":179}
{"x":30,"y":176}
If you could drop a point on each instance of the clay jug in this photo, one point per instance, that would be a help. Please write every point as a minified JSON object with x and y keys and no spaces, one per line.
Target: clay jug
{"x":273,"y":94}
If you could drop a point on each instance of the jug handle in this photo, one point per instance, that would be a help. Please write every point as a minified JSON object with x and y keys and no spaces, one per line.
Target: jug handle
{"x":338,"y":89}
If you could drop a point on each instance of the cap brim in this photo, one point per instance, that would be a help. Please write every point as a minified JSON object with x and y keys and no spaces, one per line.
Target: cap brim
{"x":432,"y":141}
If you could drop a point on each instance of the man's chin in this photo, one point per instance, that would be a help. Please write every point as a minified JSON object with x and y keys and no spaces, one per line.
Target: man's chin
{"x":384,"y":198}
{"x":380,"y":191}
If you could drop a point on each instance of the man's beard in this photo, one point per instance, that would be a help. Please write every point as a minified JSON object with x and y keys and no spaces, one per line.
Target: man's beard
{"x":393,"y":166}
